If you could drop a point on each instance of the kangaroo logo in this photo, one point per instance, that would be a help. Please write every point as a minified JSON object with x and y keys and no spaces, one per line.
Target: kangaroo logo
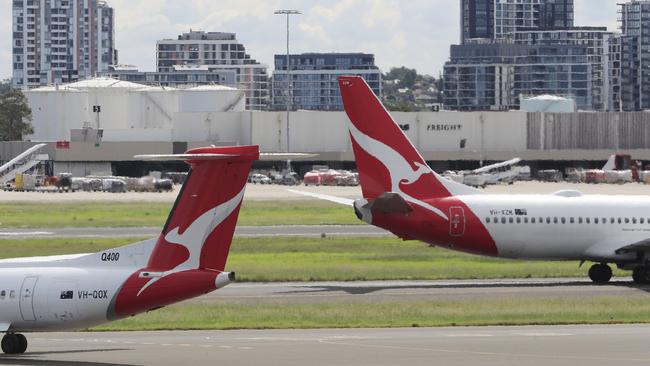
{"x":400,"y":171}
{"x":193,"y":238}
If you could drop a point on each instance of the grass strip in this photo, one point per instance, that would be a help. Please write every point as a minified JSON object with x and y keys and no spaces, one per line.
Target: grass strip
{"x":136,"y":214}
{"x":272,"y":259}
{"x":597,"y":310}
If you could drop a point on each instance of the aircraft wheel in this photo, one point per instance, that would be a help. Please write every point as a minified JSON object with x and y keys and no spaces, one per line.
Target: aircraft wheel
{"x":22,"y":341}
{"x":641,"y":275}
{"x":13,"y":343}
{"x":600,"y":273}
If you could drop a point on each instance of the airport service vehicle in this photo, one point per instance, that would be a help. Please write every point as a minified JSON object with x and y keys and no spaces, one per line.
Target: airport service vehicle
{"x":404,"y":196}
{"x":259,"y":178}
{"x":188,"y":259}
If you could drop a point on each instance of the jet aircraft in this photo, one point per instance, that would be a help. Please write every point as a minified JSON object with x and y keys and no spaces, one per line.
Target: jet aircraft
{"x":403,"y":195}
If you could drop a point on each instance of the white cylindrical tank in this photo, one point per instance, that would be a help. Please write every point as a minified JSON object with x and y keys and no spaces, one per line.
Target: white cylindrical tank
{"x":547,"y":103}
{"x":119,"y":106}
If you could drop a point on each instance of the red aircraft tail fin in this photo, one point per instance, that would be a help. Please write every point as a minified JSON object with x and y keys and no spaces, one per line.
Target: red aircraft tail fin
{"x":385,"y":158}
{"x":202,"y":222}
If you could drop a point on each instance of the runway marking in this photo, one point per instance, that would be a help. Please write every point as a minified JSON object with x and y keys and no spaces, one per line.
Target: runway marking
{"x":225,"y":347}
{"x":543,"y":334}
{"x":469,"y":335}
{"x":205,"y":345}
{"x":245,"y":348}
{"x":34,"y":233}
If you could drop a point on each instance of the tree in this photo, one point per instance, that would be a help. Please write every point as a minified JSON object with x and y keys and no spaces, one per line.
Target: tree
{"x":15,"y":116}
{"x":5,"y":86}
{"x":405,"y":75}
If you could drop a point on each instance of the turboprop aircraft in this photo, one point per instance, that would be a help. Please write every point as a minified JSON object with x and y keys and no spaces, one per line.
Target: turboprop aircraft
{"x":188,"y":259}
{"x":404,"y":196}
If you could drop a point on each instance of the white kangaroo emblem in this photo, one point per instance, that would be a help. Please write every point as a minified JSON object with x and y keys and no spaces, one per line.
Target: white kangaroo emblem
{"x":399,"y":169}
{"x":193,"y":238}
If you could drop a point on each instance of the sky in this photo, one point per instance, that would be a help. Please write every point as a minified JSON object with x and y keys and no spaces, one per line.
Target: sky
{"x":411,"y":33}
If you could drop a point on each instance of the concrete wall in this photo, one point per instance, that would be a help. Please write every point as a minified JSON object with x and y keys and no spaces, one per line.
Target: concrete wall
{"x":82,"y":169}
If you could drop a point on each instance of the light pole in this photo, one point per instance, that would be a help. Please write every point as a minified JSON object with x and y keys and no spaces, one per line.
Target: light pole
{"x":289,"y":96}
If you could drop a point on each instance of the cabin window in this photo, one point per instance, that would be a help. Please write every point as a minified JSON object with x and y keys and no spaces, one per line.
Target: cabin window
{"x":579,"y":220}
{"x":571,"y":220}
{"x":525,"y":220}
{"x":595,"y":220}
{"x":641,"y":220}
{"x":518,"y":220}
{"x":604,"y":220}
{"x":634,"y":220}
{"x":12,"y":294}
{"x":487,"y":220}
{"x":511,"y":220}
{"x":555,"y":220}
{"x":563,"y":220}
{"x":3,"y":293}
{"x":611,"y":220}
{"x":548,"y":220}
{"x":627,"y":221}
{"x":587,"y":220}
{"x":532,"y":220}
{"x":503,"y":220}
{"x":619,"y":220}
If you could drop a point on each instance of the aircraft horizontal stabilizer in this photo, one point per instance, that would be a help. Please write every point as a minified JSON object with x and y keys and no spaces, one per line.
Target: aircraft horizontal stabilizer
{"x":389,"y":202}
{"x":183,"y":157}
{"x":339,"y":200}
{"x":286,"y":156}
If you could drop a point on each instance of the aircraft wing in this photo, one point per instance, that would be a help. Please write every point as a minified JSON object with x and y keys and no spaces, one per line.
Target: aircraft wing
{"x":335,"y":199}
{"x":642,"y":245}
{"x":611,"y":247}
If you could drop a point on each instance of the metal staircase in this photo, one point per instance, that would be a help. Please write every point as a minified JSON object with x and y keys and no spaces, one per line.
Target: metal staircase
{"x":21,"y":163}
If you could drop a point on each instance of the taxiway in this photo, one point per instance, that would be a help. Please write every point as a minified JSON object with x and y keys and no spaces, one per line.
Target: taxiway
{"x":530,"y":345}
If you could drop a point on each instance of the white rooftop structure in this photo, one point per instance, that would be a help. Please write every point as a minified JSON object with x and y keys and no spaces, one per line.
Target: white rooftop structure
{"x":94,"y":83}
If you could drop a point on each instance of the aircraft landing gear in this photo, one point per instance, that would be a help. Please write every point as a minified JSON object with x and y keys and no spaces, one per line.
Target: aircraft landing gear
{"x":13,"y":343}
{"x":641,"y":275}
{"x":600,"y":273}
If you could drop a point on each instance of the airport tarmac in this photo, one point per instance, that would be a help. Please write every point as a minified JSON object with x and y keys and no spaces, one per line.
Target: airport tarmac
{"x":595,"y":345}
{"x":276,"y":192}
{"x":240,"y":231}
{"x":410,"y":291}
